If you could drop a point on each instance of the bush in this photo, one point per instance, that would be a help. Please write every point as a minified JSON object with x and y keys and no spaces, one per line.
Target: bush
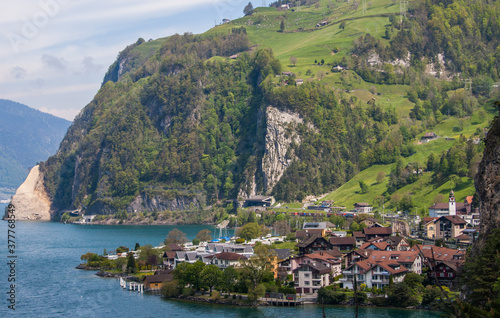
{"x":186,"y":291}
{"x":216,"y":295}
{"x":234,"y":297}
{"x":330,"y":297}
{"x":240,"y":240}
{"x":170,"y":289}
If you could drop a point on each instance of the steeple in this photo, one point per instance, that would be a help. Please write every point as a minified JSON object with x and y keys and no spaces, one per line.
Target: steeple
{"x":452,"y":206}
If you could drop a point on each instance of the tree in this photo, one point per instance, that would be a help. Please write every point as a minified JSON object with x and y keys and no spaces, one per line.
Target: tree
{"x":256,"y":266}
{"x":211,"y":276}
{"x":248,"y":9}
{"x":176,"y":236}
{"x":137,"y":246}
{"x":363,"y":186}
{"x":338,"y":220}
{"x":228,"y":279}
{"x":249,"y":231}
{"x":204,"y":235}
{"x":149,"y":255}
{"x":293,"y":60}
{"x":342,"y":25}
{"x":380,"y":177}
{"x":87,"y":256}
{"x":282,"y":26}
{"x":131,"y":265}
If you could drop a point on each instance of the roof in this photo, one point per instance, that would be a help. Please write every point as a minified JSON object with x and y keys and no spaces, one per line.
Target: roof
{"x":318,"y":267}
{"x":305,"y":242}
{"x":175,"y":247}
{"x":259,"y":198}
{"x":349,"y":240}
{"x":160,"y":278}
{"x":282,"y":253}
{"x":323,"y":256}
{"x":462,"y":237}
{"x":308,"y":232}
{"x":169,"y":254}
{"x":229,"y":256}
{"x":437,"y":253}
{"x":362,"y":204}
{"x":469,"y":198}
{"x":394,"y":256}
{"x":428,"y":219}
{"x":453,"y":219}
{"x":377,"y":230}
{"x":382,"y":246}
{"x":394,"y":240}
{"x":358,"y":234}
{"x":314,"y":225}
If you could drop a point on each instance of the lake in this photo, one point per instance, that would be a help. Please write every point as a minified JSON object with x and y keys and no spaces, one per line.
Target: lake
{"x":48,"y":285}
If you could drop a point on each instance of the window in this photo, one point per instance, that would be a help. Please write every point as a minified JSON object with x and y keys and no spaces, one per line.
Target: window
{"x":306,"y":275}
{"x":307,"y":283}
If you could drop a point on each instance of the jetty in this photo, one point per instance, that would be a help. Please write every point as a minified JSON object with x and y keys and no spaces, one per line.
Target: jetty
{"x":132,"y":286}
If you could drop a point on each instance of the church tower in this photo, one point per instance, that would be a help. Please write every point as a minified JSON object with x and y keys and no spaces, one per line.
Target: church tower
{"x":452,"y":205}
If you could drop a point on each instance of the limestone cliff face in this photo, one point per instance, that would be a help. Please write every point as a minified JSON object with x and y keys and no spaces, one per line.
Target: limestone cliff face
{"x":487,"y":183}
{"x":281,"y":133}
{"x":146,"y":202}
{"x":31,"y":201}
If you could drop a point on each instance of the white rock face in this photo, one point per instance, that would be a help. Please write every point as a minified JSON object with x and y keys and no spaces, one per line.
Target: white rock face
{"x":281,"y":133}
{"x":31,"y":201}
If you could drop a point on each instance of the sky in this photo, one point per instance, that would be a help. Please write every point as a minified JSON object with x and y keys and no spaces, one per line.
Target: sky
{"x":54,"y":53}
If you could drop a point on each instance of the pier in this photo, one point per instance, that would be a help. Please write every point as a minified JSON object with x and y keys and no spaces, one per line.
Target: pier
{"x":132,"y":286}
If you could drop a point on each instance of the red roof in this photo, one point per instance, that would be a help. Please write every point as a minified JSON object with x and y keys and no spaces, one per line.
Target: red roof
{"x":377,"y":230}
{"x":454,"y":219}
{"x":349,"y":240}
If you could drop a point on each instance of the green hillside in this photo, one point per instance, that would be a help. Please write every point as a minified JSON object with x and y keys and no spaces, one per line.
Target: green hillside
{"x":179,"y":121}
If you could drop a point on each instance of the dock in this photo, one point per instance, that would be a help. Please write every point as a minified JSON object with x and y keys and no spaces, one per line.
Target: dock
{"x":132,"y":286}
{"x":282,"y":300}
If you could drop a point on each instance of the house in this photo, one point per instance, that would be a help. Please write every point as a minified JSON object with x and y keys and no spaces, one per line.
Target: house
{"x":155,"y":282}
{"x":309,"y":278}
{"x":227,"y":259}
{"x":449,"y":227}
{"x":169,"y":259}
{"x":369,"y":222}
{"x":259,"y":200}
{"x":362,"y":207}
{"x":397,"y":243}
{"x":373,"y":274}
{"x":429,"y":136}
{"x":189,"y":257}
{"x":226,"y":20}
{"x":411,"y":260}
{"x":312,"y":244}
{"x":432,"y":255}
{"x":286,"y":73}
{"x":446,"y":272}
{"x":360,"y":238}
{"x":343,"y":243}
{"x":174,"y":247}
{"x":330,"y":258}
{"x":375,"y":231}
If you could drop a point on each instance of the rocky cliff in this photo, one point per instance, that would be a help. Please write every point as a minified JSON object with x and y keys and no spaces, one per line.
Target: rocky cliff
{"x":31,"y":201}
{"x":487,"y":183}
{"x":281,"y":133}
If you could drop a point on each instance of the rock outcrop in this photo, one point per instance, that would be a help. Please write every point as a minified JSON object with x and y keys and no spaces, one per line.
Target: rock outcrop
{"x":31,"y":201}
{"x":487,"y":184}
{"x":280,"y":135}
{"x":146,"y":202}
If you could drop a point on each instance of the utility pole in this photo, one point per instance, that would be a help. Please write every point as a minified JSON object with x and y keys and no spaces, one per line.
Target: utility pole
{"x":402,"y":10}
{"x":364,"y":7}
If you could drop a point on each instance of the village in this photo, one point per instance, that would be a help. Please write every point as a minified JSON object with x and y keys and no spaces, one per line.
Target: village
{"x":298,"y":266}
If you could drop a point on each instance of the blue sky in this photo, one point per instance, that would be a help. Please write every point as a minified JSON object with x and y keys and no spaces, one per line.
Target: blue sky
{"x":54,"y":53}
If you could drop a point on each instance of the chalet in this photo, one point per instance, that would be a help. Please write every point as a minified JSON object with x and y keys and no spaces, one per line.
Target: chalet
{"x":169,"y":259}
{"x":155,"y":282}
{"x":226,"y":20}
{"x":429,"y":136}
{"x":259,"y":200}
{"x":446,"y":272}
{"x":373,"y":274}
{"x":227,"y":259}
{"x":411,"y":260}
{"x":397,"y":243}
{"x":369,"y":222}
{"x":343,"y":243}
{"x":309,"y":278}
{"x":362,"y":207}
{"x":432,"y":255}
{"x":299,"y":81}
{"x":360,"y":238}
{"x":322,"y":23}
{"x":375,"y":231}
{"x":376,"y":246}
{"x":312,"y":244}
{"x":286,"y":73}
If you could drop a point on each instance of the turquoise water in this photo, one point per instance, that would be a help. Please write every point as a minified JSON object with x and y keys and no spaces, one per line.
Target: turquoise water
{"x":48,"y":285}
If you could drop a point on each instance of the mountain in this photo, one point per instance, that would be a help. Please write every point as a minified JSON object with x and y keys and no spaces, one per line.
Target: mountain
{"x":27,"y":136}
{"x":335,"y":94}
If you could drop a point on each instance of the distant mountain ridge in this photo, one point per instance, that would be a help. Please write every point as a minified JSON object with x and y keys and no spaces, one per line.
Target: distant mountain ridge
{"x":27,"y":136}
